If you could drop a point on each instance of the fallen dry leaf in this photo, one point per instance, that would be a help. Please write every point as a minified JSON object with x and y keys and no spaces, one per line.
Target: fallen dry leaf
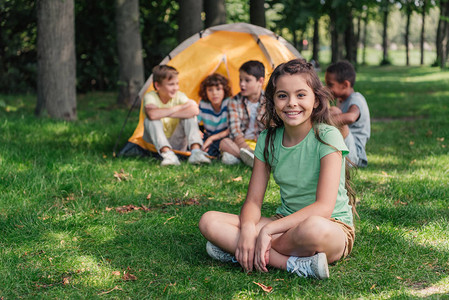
{"x":237,"y":178}
{"x":116,"y":273}
{"x":65,"y":280}
{"x":149,"y":196}
{"x":128,"y":276}
{"x":399,"y":202}
{"x":122,"y":175}
{"x":267,"y":289}
{"x":168,"y":219}
{"x":107,"y":292}
{"x":412,"y":143}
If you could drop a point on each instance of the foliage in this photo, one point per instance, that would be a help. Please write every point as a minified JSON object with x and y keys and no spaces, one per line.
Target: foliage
{"x":72,"y":230}
{"x":18,"y":57}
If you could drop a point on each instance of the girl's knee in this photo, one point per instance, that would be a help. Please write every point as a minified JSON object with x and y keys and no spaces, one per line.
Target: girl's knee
{"x":314,"y":229}
{"x":206,"y":221}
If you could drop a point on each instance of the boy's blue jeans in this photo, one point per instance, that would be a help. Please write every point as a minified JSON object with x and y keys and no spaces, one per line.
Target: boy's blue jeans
{"x":186,"y":134}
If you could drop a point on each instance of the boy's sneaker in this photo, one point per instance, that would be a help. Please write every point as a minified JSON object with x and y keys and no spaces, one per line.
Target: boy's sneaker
{"x":219,"y":254}
{"x":247,"y":157}
{"x":169,"y":158}
{"x":198,"y":157}
{"x":315,"y":266}
{"x":229,"y":159}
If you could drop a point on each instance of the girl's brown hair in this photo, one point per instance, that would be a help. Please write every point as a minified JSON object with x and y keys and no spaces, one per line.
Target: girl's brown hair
{"x":319,"y":115}
{"x":214,"y":80}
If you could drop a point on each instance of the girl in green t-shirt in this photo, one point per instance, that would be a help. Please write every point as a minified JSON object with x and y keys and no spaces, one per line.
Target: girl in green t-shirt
{"x":313,"y":225}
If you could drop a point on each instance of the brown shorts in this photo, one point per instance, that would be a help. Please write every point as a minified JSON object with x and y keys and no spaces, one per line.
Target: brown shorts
{"x":347,"y":229}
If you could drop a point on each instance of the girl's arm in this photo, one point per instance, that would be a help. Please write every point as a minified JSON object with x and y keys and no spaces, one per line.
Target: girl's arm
{"x":250,"y":215}
{"x":326,"y":197}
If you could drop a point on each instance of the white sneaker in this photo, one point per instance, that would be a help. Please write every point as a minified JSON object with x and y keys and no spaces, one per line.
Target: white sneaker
{"x":247,"y":157}
{"x":198,"y":157}
{"x":229,"y":159}
{"x":315,"y":266}
{"x":169,"y":158}
{"x":219,"y":254}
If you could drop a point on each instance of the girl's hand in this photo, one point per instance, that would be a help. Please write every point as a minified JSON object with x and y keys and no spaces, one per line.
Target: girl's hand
{"x":262,"y":255}
{"x":245,"y":247}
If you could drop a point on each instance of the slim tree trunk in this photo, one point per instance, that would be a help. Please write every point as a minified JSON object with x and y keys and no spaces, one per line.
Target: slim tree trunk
{"x":129,"y":44}
{"x":406,"y":36}
{"x":56,"y":83}
{"x":189,"y":18}
{"x":257,"y":12}
{"x":215,"y":12}
{"x":357,"y":37}
{"x":385,"y":37}
{"x":365,"y":31}
{"x":336,"y":39}
{"x":442,"y":34}
{"x":350,"y":38}
{"x":423,"y":30}
{"x":316,"y":40}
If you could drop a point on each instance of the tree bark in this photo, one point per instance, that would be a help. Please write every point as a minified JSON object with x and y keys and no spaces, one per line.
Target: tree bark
{"x":336,"y":39}
{"x":406,"y":36}
{"x":365,"y":30}
{"x":443,"y":35}
{"x":56,"y":76}
{"x":385,"y":36}
{"x":129,"y":45}
{"x":189,"y":18}
{"x":316,"y":40}
{"x":350,"y":39}
{"x":215,"y":12}
{"x":257,"y":12}
{"x":424,"y":7}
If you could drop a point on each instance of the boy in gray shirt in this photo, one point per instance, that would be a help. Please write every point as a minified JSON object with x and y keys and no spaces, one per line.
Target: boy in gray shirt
{"x":351,"y":113}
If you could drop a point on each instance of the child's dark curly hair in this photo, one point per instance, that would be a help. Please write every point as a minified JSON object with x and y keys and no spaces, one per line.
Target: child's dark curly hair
{"x":214,"y":80}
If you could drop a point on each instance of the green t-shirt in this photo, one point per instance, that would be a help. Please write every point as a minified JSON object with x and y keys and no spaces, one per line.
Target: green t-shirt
{"x":169,"y":124}
{"x":296,"y":170}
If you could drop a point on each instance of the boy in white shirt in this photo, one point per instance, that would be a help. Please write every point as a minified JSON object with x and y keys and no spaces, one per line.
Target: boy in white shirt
{"x":171,"y":121}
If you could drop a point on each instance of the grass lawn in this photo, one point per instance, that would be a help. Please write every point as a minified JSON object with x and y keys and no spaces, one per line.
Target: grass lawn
{"x":69,"y":230}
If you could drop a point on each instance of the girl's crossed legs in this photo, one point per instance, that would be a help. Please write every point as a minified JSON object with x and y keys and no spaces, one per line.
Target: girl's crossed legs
{"x":313,"y":235}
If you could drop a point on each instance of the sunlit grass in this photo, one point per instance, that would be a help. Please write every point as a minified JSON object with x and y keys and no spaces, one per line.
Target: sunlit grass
{"x":62,"y":237}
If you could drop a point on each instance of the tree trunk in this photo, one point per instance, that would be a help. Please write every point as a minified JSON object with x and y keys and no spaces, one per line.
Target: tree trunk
{"x":215,"y":12}
{"x":336,"y":39}
{"x":257,"y":12}
{"x":424,"y":7}
{"x":442,"y":35}
{"x":406,"y":36}
{"x":357,"y":38}
{"x":56,"y":75}
{"x":316,"y":40}
{"x":189,"y":18}
{"x":350,"y":39}
{"x":385,"y":37}
{"x":365,"y":30}
{"x":129,"y":45}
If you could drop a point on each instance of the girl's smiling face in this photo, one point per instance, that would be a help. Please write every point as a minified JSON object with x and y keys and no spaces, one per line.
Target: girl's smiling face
{"x":294,"y":101}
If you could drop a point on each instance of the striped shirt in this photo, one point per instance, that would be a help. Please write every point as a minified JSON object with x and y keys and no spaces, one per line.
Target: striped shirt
{"x":213,"y":122}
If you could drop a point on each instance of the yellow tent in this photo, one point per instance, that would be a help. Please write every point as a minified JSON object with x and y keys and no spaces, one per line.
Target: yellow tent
{"x":221,"y":49}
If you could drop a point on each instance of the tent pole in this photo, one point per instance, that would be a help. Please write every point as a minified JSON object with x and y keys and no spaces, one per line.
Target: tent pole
{"x":123,"y":126}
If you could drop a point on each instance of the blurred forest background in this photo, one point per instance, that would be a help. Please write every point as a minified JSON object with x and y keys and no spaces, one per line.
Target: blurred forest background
{"x":325,"y":31}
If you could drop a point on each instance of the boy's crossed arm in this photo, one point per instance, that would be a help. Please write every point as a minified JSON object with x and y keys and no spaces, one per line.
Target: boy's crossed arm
{"x":182,"y":111}
{"x":349,"y":117}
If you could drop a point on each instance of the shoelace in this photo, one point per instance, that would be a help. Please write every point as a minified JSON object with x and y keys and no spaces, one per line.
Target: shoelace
{"x":303,"y":268}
